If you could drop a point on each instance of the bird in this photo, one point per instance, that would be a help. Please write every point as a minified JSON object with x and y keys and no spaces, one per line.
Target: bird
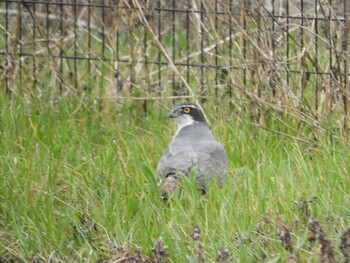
{"x":192,"y":148}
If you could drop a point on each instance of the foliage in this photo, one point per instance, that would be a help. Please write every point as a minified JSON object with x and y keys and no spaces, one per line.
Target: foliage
{"x":78,"y":183}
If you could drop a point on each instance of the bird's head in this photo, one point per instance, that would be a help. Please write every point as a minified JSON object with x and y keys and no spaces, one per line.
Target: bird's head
{"x":186,"y":113}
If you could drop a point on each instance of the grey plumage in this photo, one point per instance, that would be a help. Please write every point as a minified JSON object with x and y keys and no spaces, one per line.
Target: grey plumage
{"x":192,"y":147}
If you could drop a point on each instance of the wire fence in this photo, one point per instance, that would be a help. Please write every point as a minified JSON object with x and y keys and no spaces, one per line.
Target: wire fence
{"x":281,"y":55}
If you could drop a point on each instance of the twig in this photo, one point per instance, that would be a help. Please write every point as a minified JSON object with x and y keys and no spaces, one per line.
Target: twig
{"x":284,"y":134}
{"x":80,"y":23}
{"x":150,"y":98}
{"x":160,"y":46}
{"x":166,"y":55}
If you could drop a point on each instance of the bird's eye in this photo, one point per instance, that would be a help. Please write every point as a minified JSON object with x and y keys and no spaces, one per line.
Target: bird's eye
{"x":186,"y":110}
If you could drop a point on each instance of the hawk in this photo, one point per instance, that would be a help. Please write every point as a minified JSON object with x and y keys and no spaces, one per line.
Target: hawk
{"x":193,"y":148}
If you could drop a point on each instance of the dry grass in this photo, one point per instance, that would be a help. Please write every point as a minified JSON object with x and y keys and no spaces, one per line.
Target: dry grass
{"x":79,"y":186}
{"x":251,"y":58}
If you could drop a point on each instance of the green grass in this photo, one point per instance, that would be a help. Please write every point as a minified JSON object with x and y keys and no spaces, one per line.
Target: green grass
{"x":77,"y":179}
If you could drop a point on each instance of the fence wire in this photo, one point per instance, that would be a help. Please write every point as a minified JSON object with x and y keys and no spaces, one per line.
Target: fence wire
{"x":273,"y":54}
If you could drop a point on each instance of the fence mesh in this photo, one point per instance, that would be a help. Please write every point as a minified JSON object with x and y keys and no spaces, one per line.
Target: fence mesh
{"x":261,"y":54}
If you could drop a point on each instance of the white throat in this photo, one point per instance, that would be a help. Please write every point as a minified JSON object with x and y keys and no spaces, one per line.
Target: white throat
{"x":183,"y":121}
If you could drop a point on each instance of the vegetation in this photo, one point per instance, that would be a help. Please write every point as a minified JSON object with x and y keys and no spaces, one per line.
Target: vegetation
{"x":86,"y":89}
{"x":78,"y":184}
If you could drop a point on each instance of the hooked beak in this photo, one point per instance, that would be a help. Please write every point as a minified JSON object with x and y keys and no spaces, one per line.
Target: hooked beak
{"x":172,"y":114}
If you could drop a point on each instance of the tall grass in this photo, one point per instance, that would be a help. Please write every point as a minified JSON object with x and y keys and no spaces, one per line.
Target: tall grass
{"x":78,"y":183}
{"x":273,"y":60}
{"x":79,"y":143}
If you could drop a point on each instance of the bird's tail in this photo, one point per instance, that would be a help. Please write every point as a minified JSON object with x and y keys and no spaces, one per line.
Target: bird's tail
{"x":169,"y":186}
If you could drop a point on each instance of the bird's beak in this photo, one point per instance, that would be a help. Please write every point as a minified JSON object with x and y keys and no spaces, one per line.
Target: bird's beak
{"x":172,"y":114}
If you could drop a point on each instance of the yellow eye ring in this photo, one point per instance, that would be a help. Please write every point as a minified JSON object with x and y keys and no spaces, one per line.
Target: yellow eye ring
{"x":186,"y":110}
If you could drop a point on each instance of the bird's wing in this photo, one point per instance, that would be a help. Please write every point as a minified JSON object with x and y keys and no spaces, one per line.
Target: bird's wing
{"x":212,"y":162}
{"x":177,"y":158}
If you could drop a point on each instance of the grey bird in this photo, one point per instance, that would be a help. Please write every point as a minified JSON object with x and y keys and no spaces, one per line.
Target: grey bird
{"x":192,"y":148}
